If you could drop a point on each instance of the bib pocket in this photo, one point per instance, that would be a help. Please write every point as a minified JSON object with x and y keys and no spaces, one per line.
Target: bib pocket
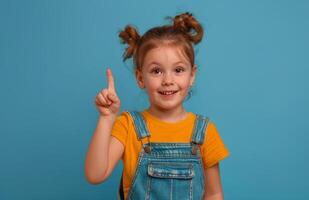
{"x":171,"y":170}
{"x":170,"y":180}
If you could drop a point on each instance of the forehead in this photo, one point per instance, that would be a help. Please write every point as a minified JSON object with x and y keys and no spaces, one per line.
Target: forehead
{"x":165,"y":55}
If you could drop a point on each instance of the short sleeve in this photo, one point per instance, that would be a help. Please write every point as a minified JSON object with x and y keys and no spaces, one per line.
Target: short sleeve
{"x":213,"y":149}
{"x":120,"y":128}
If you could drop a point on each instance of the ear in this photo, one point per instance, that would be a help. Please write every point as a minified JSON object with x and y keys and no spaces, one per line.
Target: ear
{"x":193,"y":73}
{"x":139,"y":78}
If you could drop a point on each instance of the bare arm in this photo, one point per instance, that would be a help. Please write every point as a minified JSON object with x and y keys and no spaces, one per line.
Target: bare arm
{"x":104,"y":150}
{"x":213,"y":188}
{"x":103,"y":154}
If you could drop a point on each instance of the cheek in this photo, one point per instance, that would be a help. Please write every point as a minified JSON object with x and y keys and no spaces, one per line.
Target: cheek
{"x":185,"y":84}
{"x":151,"y":84}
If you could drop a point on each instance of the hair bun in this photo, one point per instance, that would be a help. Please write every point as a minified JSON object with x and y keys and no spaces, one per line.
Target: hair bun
{"x":130,"y":36}
{"x":186,"y":23}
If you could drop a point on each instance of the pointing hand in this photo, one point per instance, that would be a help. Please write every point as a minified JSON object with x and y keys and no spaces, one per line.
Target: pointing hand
{"x":107,"y":101}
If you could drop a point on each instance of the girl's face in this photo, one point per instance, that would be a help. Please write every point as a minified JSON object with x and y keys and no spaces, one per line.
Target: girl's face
{"x":167,"y":76}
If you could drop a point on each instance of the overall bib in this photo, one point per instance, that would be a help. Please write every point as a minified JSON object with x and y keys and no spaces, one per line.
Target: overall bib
{"x":167,"y":171}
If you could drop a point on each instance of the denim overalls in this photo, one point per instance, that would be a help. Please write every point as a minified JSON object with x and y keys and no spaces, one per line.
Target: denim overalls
{"x":167,"y":171}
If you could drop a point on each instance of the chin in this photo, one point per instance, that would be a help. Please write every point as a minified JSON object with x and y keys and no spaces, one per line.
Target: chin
{"x":168,"y":106}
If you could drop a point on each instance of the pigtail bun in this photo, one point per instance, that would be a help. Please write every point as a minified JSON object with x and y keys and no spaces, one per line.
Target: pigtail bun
{"x":186,"y":23}
{"x":130,"y":36}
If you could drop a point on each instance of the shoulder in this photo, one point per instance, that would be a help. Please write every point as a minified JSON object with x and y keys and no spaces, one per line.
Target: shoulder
{"x":213,"y":149}
{"x":202,"y":118}
{"x":212,"y":135}
{"x":210,"y":126}
{"x":123,"y":119}
{"x":121,"y":127}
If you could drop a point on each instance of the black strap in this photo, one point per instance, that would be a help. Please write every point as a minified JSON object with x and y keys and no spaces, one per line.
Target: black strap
{"x":120,"y":190}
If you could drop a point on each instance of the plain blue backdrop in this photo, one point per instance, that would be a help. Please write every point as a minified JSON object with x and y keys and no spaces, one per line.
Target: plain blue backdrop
{"x":252,"y":82}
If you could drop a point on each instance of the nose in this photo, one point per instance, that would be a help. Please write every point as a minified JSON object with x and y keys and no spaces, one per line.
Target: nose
{"x":167,"y":79}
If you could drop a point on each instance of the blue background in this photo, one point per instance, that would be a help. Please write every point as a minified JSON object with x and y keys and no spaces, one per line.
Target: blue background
{"x":252,"y":82}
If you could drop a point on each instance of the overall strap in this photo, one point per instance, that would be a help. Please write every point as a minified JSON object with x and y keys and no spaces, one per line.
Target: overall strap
{"x":141,"y":129}
{"x":139,"y":124}
{"x":198,"y":135}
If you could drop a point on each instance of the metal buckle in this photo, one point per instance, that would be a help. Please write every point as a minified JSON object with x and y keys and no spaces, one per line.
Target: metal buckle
{"x":194,"y":148}
{"x":147,"y":146}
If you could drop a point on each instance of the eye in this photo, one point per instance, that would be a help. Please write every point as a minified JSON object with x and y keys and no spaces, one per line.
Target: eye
{"x":180,"y":69}
{"x":155,"y":71}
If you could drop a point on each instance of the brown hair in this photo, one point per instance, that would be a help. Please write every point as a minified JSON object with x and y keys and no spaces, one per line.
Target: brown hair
{"x":180,"y":33}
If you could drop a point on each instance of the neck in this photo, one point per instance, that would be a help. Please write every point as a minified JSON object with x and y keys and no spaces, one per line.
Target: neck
{"x":173,"y":115}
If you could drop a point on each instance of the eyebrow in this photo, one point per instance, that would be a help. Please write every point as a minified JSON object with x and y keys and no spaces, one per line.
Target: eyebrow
{"x":157,"y":63}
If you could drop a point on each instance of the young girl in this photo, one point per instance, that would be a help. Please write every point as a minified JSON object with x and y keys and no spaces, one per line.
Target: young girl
{"x":167,"y":152}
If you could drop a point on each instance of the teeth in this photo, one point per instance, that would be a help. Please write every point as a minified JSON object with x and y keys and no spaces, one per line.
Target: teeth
{"x":168,"y":92}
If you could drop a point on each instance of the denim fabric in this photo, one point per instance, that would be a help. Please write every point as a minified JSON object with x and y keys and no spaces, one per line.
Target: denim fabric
{"x":168,"y":171}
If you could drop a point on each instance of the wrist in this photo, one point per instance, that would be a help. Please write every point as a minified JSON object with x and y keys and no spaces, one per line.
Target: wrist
{"x":111,"y":117}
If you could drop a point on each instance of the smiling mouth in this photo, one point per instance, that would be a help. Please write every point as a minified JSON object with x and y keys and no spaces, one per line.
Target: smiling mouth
{"x":167,"y":93}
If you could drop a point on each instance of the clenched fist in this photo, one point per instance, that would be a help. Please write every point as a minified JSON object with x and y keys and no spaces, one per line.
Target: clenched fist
{"x":107,"y":101}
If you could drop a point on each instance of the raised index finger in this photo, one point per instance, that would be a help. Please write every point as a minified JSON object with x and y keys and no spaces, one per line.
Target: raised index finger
{"x":110,"y":79}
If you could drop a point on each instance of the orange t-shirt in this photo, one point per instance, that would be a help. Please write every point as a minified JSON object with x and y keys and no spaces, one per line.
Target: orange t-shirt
{"x":212,"y":150}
